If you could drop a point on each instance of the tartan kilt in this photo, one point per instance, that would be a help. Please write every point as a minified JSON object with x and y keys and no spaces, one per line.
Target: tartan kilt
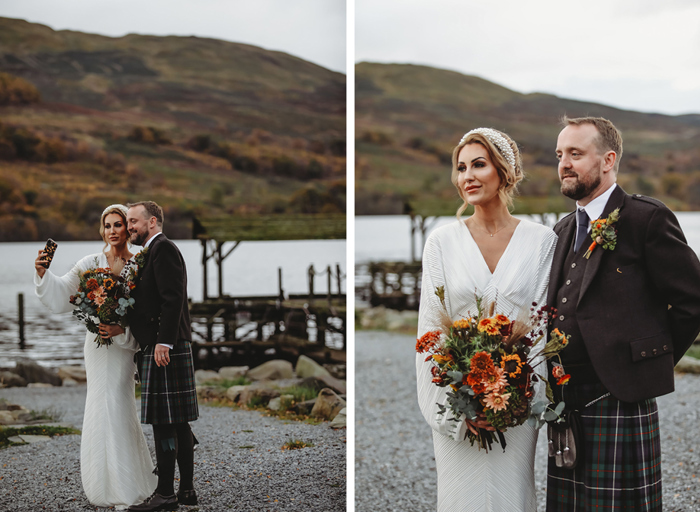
{"x":168,"y":393}
{"x":621,"y":464}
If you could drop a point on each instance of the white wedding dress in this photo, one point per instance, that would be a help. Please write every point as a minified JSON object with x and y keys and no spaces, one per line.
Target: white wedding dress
{"x":115,"y":464}
{"x":470,"y":479}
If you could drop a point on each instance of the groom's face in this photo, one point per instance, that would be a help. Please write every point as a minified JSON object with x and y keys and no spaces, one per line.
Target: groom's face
{"x":580,"y":162}
{"x":138,"y":221}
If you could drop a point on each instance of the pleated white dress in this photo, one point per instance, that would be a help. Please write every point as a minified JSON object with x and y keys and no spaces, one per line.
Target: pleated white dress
{"x":115,"y":464}
{"x":470,"y":479}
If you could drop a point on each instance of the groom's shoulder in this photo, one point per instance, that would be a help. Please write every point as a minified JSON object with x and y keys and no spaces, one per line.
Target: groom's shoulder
{"x":646,"y":201}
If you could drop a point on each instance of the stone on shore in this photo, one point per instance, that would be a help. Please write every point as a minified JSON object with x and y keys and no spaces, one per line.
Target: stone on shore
{"x":26,"y":438}
{"x":210,"y":392}
{"x":341,"y":420}
{"x":688,"y":364}
{"x":11,"y":380}
{"x":262,"y":391}
{"x":278,"y":402}
{"x":76,"y":373}
{"x":327,"y":405}
{"x":307,"y":367}
{"x":271,"y":370}
{"x":233,"y":372}
{"x":6,"y":418}
{"x":381,"y":318}
{"x":32,"y":372}
{"x":45,"y":385}
{"x":234,"y":392}
{"x":201,"y":376}
{"x":304,"y":408}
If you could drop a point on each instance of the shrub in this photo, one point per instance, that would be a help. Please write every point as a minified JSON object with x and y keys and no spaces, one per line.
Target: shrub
{"x":17,"y":91}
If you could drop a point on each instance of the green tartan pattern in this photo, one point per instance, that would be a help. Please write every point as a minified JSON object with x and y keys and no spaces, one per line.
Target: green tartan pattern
{"x":168,"y":393}
{"x":621,"y":464}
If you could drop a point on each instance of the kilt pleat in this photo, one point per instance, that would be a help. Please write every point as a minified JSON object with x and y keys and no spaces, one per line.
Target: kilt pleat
{"x":168,"y":393}
{"x":621,"y":465}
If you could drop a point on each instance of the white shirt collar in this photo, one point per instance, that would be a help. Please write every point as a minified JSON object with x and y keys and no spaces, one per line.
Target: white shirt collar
{"x":151,"y":239}
{"x":595,"y":208}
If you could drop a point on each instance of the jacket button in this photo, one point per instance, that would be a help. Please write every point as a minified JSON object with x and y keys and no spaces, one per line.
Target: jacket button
{"x":564,"y":300}
{"x":665,"y":347}
{"x":573,"y":265}
{"x":561,"y":317}
{"x":653,"y":352}
{"x":568,"y":282}
{"x":644,"y":354}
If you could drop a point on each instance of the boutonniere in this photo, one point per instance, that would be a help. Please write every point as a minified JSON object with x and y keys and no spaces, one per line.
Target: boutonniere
{"x":604,"y":233}
{"x":140,"y":259}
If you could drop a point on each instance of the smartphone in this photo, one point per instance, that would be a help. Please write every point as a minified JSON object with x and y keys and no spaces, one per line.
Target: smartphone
{"x":50,"y":250}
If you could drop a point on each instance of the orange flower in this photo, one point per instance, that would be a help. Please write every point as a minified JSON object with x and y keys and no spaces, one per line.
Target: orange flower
{"x":496,"y":381}
{"x":496,"y":401}
{"x":132,"y":285}
{"x":558,"y":372}
{"x":512,"y":365}
{"x":563,"y":380}
{"x":92,"y":284}
{"x":485,"y":325}
{"x":501,"y":319}
{"x":91,"y":296}
{"x":108,"y":283}
{"x":481,"y":362}
{"x":462,"y":323}
{"x":442,"y":359}
{"x":425,"y":342}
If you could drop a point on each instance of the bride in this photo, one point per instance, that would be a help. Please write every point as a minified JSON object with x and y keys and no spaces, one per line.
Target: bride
{"x":499,"y":258}
{"x":115,"y":464}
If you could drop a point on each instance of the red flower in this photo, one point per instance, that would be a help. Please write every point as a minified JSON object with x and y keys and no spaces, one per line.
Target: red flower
{"x":427,"y":341}
{"x":92,"y":284}
{"x":563,"y":380}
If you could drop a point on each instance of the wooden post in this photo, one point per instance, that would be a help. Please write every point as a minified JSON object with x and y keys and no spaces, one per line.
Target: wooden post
{"x":20,"y":309}
{"x":311,"y":282}
{"x":279,"y":280}
{"x":220,"y":262}
{"x":204,"y":270}
{"x":337,"y":275}
{"x":413,"y":232}
{"x":330,"y":277}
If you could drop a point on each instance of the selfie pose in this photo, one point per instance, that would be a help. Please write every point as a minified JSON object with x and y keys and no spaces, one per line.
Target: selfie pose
{"x":115,"y":465}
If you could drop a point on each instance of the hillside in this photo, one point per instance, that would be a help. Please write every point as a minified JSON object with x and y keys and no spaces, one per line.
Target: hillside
{"x":408,"y":119}
{"x":201,"y":125}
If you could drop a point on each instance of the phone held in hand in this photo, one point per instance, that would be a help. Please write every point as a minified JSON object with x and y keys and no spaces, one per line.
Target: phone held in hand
{"x":50,"y":250}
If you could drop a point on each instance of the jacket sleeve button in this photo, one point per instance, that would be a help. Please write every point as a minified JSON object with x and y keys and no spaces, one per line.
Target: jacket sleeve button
{"x":644,"y":354}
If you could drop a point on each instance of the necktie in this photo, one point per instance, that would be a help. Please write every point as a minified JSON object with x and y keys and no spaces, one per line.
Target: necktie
{"x":582,"y":229}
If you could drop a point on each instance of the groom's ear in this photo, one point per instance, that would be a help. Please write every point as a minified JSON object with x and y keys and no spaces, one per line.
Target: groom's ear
{"x":609,"y":160}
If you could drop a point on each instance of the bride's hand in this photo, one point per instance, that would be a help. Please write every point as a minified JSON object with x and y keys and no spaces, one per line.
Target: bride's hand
{"x":110,"y":330}
{"x":38,"y":263}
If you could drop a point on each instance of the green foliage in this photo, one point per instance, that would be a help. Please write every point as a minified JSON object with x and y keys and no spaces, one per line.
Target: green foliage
{"x":50,"y":415}
{"x":300,"y":393}
{"x":296,"y":444}
{"x":694,"y":351}
{"x":7,"y":432}
{"x":227,"y":383}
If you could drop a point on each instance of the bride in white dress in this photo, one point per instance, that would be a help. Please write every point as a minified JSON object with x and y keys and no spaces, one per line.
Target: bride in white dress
{"x":115,"y":464}
{"x":494,"y":256}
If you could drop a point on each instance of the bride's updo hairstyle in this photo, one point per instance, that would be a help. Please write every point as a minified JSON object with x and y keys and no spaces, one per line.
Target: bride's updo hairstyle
{"x":120,"y":210}
{"x":505,"y":156}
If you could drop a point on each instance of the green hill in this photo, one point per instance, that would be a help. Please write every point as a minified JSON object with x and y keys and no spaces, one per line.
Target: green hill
{"x":200,"y":125}
{"x":408,"y":119}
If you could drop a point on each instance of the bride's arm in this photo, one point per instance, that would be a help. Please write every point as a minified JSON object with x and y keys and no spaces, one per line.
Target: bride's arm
{"x":126,"y":341}
{"x":54,"y":292}
{"x":430,"y":317}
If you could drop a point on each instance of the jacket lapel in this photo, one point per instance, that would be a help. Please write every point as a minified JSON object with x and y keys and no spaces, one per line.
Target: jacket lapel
{"x":566,"y":236}
{"x":617,"y":200}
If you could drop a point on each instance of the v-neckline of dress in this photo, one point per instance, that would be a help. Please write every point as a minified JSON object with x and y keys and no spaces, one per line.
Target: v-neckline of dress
{"x":481,"y":255}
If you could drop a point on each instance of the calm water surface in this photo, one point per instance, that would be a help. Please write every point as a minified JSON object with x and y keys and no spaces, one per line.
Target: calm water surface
{"x":250,"y":270}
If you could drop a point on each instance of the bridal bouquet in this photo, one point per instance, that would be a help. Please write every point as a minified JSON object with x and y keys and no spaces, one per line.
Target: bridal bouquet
{"x":489,"y":363}
{"x":104,"y":297}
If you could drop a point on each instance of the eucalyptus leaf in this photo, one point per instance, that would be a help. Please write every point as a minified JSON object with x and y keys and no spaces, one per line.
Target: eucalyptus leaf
{"x":538,"y":408}
{"x":550,"y":415}
{"x":455,"y":375}
{"x":559,"y":408}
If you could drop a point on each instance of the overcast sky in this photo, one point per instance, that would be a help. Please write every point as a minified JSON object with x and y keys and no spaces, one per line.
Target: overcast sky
{"x":311,"y":29}
{"x":633,"y":54}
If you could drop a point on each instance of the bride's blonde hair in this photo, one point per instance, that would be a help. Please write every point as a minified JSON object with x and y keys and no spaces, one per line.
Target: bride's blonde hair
{"x":120,"y":210}
{"x":510,"y":173}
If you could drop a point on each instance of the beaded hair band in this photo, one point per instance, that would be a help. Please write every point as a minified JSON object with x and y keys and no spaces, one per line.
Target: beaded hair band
{"x":497,"y":140}
{"x":119,"y":207}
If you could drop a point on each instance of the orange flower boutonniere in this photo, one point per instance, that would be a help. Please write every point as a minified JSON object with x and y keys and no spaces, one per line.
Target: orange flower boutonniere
{"x":604,"y":233}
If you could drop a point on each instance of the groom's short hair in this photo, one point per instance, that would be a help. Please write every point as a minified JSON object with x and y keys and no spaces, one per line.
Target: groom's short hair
{"x":152,"y":209}
{"x":609,"y":137}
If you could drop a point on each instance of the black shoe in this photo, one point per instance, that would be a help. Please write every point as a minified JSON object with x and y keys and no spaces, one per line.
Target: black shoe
{"x":156,"y":502}
{"x":187,"y":497}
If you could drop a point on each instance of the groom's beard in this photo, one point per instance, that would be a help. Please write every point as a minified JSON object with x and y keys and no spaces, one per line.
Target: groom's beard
{"x":581,"y":187}
{"x":138,"y":238}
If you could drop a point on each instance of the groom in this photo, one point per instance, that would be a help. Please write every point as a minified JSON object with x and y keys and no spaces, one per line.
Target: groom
{"x":632,"y":308}
{"x":160,"y":322}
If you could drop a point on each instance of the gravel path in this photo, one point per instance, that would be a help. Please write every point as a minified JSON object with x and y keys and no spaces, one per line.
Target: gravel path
{"x":229,"y":475}
{"x":394,"y":463}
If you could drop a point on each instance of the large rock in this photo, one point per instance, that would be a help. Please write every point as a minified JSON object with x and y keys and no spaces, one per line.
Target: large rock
{"x":210,"y":392}
{"x":233,"y":372}
{"x":688,"y":364}
{"x":327,"y":405}
{"x":307,"y":367}
{"x":262,"y":391}
{"x":32,"y":372}
{"x":271,"y":370}
{"x":234,"y":392}
{"x":280,"y":402}
{"x":11,"y":380}
{"x":201,"y":376}
{"x":318,"y":383}
{"x":77,"y":373}
{"x":304,"y":408}
{"x":6,"y":418}
{"x":341,"y":420}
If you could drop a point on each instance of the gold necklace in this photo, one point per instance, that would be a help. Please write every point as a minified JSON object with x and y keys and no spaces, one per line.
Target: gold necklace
{"x":491,"y":234}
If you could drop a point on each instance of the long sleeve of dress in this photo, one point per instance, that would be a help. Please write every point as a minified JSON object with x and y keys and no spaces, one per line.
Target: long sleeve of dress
{"x":430,"y":317}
